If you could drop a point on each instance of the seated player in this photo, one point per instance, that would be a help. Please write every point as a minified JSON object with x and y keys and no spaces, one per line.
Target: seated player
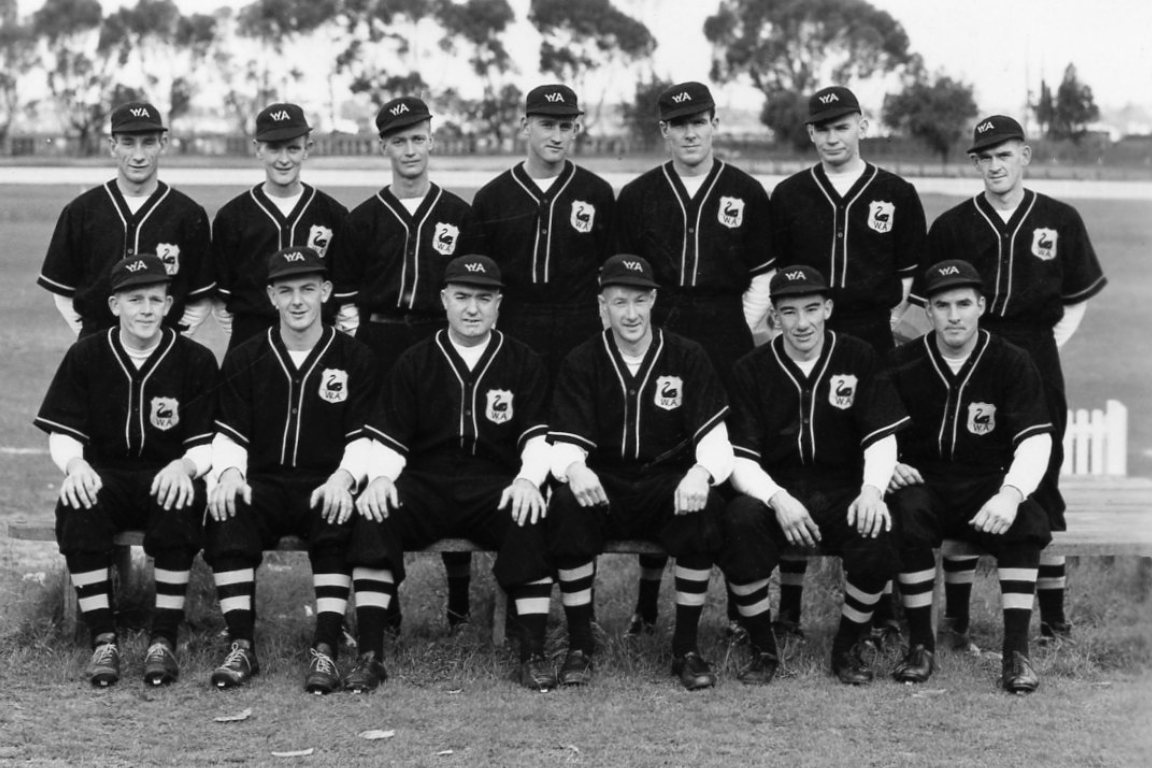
{"x":813,"y":429}
{"x":129,"y":419}
{"x":976,"y":452}
{"x":639,"y":441}
{"x":460,"y":439}
{"x":290,"y":450}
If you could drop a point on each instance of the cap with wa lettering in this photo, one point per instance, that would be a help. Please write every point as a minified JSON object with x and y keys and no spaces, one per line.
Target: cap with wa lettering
{"x":995,"y":130}
{"x":830,"y":103}
{"x":280,"y":122}
{"x":557,"y":100}
{"x":685,"y":99}
{"x":143,"y":269}
{"x":292,"y":262}
{"x":797,"y":281}
{"x":473,"y":269}
{"x":136,"y":117}
{"x":949,"y":274}
{"x":628,"y":270}
{"x":401,"y":113}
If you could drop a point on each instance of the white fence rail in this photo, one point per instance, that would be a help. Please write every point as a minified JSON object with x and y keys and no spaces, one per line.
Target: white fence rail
{"x":1096,"y":441}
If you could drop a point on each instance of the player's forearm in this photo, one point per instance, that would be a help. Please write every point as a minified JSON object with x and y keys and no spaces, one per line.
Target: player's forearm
{"x":714,"y":453}
{"x":68,"y":311}
{"x":564,"y":455}
{"x":1073,"y":315}
{"x":200,"y":459}
{"x":384,"y":462}
{"x":880,"y":463}
{"x":348,"y":318}
{"x":222,"y":315}
{"x":357,"y":459}
{"x":1029,"y":463}
{"x":749,"y":478}
{"x":64,"y":449}
{"x":228,"y":454}
{"x":195,"y":314}
{"x":536,"y":460}
{"x":757,"y":299}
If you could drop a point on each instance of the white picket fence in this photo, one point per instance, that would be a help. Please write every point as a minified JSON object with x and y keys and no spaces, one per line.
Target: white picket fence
{"x":1096,"y":441}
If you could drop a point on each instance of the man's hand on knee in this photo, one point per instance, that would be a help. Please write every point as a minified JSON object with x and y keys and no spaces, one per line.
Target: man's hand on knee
{"x":585,"y":485}
{"x":81,"y":485}
{"x":903,"y":476}
{"x":999,"y":512}
{"x":378,"y":499}
{"x":525,"y":501}
{"x":172,"y":485}
{"x":869,"y":513}
{"x":222,"y":501}
{"x":334,"y":498}
{"x":692,"y":492}
{"x":799,"y":527}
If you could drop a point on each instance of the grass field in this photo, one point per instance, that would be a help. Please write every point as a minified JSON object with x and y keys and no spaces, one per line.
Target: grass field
{"x":453,"y":694}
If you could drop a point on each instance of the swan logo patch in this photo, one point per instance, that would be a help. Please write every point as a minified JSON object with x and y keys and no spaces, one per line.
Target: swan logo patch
{"x":333,"y":385}
{"x":1044,"y":243}
{"x":842,"y":391}
{"x":731,"y":212}
{"x":981,"y":418}
{"x":669,"y":392}
{"x":499,"y":408}
{"x":880,"y":216}
{"x":165,"y":413}
{"x":444,"y":239}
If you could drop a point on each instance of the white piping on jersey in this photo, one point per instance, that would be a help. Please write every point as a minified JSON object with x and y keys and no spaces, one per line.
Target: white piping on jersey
{"x":684,"y":213}
{"x":830,"y":345}
{"x":494,"y":338}
{"x":155,"y":203}
{"x":408,"y":236}
{"x":551,"y":229}
{"x":300,"y":398}
{"x":135,"y":390}
{"x":1005,"y":295}
{"x":622,"y":378}
{"x":835,"y":218}
{"x":1072,"y":298}
{"x":709,"y":425}
{"x":301,"y":207}
{"x":63,"y":428}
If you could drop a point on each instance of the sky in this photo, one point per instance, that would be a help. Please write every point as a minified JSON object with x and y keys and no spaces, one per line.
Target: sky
{"x":1002,"y":47}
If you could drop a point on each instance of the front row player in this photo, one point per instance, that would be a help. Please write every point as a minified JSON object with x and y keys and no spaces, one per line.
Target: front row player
{"x":289,"y":451}
{"x":813,"y":429}
{"x":976,"y":452}
{"x":129,"y":419}
{"x":638,"y":440}
{"x":461,"y":450}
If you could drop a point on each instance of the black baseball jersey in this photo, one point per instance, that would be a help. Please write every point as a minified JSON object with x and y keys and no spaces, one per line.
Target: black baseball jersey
{"x":128,"y":417}
{"x":785,"y":420}
{"x":291,"y":418}
{"x":434,"y":411}
{"x":713,"y":243}
{"x":1033,"y":265}
{"x":549,"y":244}
{"x":626,"y":421}
{"x":974,"y":418}
{"x":250,"y":228}
{"x":863,"y":243}
{"x":97,"y":229}
{"x":390,"y":261}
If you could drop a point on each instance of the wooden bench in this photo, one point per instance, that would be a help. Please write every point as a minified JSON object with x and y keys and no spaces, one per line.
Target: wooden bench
{"x":1107,"y":516}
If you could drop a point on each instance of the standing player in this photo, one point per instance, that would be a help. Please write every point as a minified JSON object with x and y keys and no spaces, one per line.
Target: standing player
{"x":863,"y":228}
{"x":704,"y":227}
{"x":813,"y":429}
{"x":129,"y":419}
{"x":282,"y":212}
{"x":132,"y":214}
{"x":1039,"y":271}
{"x":289,"y":452}
{"x":977,"y":449}
{"x":389,"y":265}
{"x":639,"y":441}
{"x":462,"y":451}
{"x":547,"y":223}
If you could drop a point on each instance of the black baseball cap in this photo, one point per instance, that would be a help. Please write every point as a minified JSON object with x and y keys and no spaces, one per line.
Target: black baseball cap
{"x":292,"y":262}
{"x":685,"y":99}
{"x":830,"y":103}
{"x":949,"y":274}
{"x":143,"y":269}
{"x":401,"y":113}
{"x":473,"y":269}
{"x":994,"y":130}
{"x":627,"y":270}
{"x":137,"y":117}
{"x":558,"y":100}
{"x":280,"y":122}
{"x":797,"y":281}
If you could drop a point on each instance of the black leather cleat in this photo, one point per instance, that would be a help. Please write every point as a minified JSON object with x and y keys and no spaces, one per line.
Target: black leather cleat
{"x":104,"y":667}
{"x":785,"y":630}
{"x":1055,"y":633}
{"x":238,"y":667}
{"x":160,"y":666}
{"x":1017,"y":675}
{"x":536,"y":673}
{"x":323,"y":674}
{"x":735,"y":632}
{"x":694,"y":672}
{"x":367,"y":675}
{"x":762,"y":669}
{"x":956,"y":636}
{"x":637,"y":626}
{"x":576,"y":669}
{"x":850,"y":667}
{"x":916,"y":666}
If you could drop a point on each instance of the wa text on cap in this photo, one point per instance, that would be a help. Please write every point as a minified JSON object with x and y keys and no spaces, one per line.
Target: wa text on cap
{"x":143,"y":269}
{"x":136,"y":117}
{"x":280,"y":122}
{"x":558,"y":100}
{"x":401,"y":113}
{"x":949,"y":274}
{"x":830,"y":103}
{"x":797,"y":281}
{"x":473,"y":269}
{"x":685,"y":99}
{"x":292,"y":262}
{"x":994,"y":130}
{"x":628,"y":270}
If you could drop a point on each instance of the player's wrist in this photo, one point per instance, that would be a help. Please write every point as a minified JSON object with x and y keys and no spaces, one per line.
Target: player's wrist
{"x":1012,"y":492}
{"x":75,"y":465}
{"x":704,"y":471}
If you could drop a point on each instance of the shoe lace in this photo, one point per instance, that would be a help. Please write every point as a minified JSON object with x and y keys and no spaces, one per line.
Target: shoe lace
{"x":156,"y":652}
{"x":322,"y":662}
{"x":236,"y":656}
{"x":104,"y":654}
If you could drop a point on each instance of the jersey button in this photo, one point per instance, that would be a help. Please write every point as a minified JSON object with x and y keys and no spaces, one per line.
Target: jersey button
{"x":295,"y":411}
{"x":691,"y":230}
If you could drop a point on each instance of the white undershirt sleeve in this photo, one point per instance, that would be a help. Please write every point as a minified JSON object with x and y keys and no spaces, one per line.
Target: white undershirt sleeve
{"x":757,"y":299}
{"x":880,"y":463}
{"x":1029,"y":463}
{"x":348,"y":319}
{"x":222,"y":315}
{"x":384,"y":462}
{"x":195,"y":314}
{"x":1063,"y":330}
{"x":357,"y":459}
{"x":906,"y":286}
{"x":201,"y":458}
{"x":67,"y":311}
{"x":749,"y":478}
{"x":63,"y":449}
{"x":714,"y":453}
{"x":227,"y":454}
{"x":565,"y":455}
{"x":536,"y":460}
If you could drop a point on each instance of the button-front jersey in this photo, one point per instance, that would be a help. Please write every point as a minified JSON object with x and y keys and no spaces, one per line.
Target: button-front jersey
{"x":549,"y":244}
{"x":628,"y":421}
{"x":972,"y":419}
{"x":710,"y":244}
{"x":250,"y":228}
{"x":128,"y":417}
{"x":785,"y":420}
{"x":290,"y":417}
{"x":97,"y":229}
{"x":1032,"y":265}
{"x":436,"y":412}
{"x":864,"y":243}
{"x":390,"y":261}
